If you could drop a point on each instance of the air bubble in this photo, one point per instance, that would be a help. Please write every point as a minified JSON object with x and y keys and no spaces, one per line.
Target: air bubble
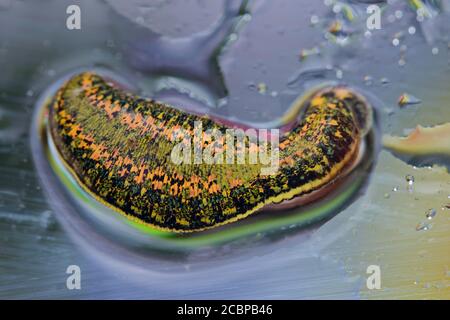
{"x":247,"y":17}
{"x":399,"y":14}
{"x":314,"y":19}
{"x":337,"y":8}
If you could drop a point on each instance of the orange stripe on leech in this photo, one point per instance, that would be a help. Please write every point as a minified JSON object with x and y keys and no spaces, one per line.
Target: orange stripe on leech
{"x":119,"y":161}
{"x":134,"y":169}
{"x":86,"y":82}
{"x":173,"y":190}
{"x":108,"y":164}
{"x":74,"y":130}
{"x":157,"y":185}
{"x":318,"y":101}
{"x":331,"y":105}
{"x":214,"y":188}
{"x":342,"y":93}
{"x":123,"y":172}
{"x":107,"y":107}
{"x":97,"y":153}
{"x":235,"y":182}
{"x":194,"y":191}
{"x":132,"y":122}
{"x":177,"y":176}
{"x":333,"y":123}
{"x":137,"y":121}
{"x":140,"y":178}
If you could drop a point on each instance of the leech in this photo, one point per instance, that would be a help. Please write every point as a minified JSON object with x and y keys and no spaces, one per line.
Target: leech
{"x":119,"y":148}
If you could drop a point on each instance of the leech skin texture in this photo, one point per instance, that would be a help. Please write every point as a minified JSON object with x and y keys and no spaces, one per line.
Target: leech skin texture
{"x":118,"y":147}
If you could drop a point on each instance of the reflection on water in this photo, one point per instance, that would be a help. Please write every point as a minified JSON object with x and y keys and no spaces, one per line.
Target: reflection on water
{"x":410,"y":54}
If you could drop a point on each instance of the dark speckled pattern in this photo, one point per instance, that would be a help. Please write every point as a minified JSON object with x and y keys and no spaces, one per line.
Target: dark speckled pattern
{"x":119,"y":145}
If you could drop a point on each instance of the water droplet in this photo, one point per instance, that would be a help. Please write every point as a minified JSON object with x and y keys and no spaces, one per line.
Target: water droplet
{"x":435,"y":51}
{"x":30,"y":93}
{"x":252,"y":86}
{"x":410,"y":179}
{"x":335,"y":27}
{"x":387,"y":195}
{"x":412,"y":30}
{"x":398,"y":14}
{"x":423,"y":226}
{"x":233,"y":37}
{"x":314,"y":19}
{"x":422,"y":12}
{"x":337,"y":8}
{"x":384,"y":81}
{"x":262,"y":88}
{"x":368,"y":80}
{"x":395,"y":42}
{"x":305,"y":53}
{"x":395,"y":189}
{"x":431,"y":213}
{"x":407,"y":99}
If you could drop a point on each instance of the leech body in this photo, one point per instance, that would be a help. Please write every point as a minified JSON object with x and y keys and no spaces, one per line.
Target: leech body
{"x":118,"y":147}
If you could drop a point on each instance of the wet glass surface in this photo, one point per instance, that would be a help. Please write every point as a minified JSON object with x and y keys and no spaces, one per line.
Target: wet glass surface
{"x":265,"y":54}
